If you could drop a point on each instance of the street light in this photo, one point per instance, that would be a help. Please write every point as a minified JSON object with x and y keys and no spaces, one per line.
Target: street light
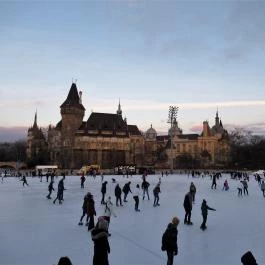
{"x":172,"y":115}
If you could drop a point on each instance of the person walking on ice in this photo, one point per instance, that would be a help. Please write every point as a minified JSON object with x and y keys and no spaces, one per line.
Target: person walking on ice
{"x":50,"y":189}
{"x":136,"y":195}
{"x":169,"y":240}
{"x":205,"y":208}
{"x":188,"y":207}
{"x":24,"y":181}
{"x":84,"y":208}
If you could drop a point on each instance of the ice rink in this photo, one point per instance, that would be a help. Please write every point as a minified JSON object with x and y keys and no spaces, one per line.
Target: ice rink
{"x":34,"y":231}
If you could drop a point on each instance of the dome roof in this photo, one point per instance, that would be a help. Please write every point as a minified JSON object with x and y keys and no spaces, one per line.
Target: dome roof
{"x":151,"y":133}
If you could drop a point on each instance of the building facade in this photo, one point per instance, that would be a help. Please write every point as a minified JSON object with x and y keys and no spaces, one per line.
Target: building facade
{"x":107,"y":140}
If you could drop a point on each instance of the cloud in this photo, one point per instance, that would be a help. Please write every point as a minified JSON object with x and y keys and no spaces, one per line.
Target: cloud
{"x":196,"y":128}
{"x":140,"y":105}
{"x":11,"y":134}
{"x":254,"y":128}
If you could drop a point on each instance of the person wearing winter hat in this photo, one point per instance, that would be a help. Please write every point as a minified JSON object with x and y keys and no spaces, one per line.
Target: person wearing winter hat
{"x":169,"y":240}
{"x":101,"y":244}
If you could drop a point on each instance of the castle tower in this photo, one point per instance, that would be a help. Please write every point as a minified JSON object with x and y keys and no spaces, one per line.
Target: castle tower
{"x":72,"y":112}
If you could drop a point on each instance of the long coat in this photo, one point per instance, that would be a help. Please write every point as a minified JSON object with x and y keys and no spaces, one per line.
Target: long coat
{"x":169,"y":239}
{"x":188,"y":202}
{"x":91,"y":207}
{"x":101,"y":246}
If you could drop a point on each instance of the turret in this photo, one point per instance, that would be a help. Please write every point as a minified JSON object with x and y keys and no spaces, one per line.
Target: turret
{"x":119,"y":111}
{"x":72,"y":112}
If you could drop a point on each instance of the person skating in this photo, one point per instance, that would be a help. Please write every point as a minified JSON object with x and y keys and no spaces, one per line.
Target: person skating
{"x":117,"y":193}
{"x":103,"y":191}
{"x":204,"y":209}
{"x":262,"y":187}
{"x":240,"y":187}
{"x":169,"y":240}
{"x":214,"y":181}
{"x":136,"y":194}
{"x":245,"y":186}
{"x":226,"y":186}
{"x":84,"y":208}
{"x":50,"y":189}
{"x":145,"y":186}
{"x":60,"y":191}
{"x":83,"y":179}
{"x":24,"y":181}
{"x":91,"y":212}
{"x":188,"y":208}
{"x":126,"y":189}
{"x":108,"y":211}
{"x":193,"y":191}
{"x":156,"y":192}
{"x":101,"y":244}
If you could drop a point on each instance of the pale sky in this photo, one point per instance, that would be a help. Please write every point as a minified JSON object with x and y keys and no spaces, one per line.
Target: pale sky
{"x":198,"y":55}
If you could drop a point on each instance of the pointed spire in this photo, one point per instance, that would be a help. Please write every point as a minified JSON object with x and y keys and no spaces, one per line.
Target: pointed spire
{"x":35,"y":120}
{"x":119,"y":111}
{"x":217,"y":119}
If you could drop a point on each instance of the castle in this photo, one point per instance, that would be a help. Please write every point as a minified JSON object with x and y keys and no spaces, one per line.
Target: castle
{"x":107,"y":140}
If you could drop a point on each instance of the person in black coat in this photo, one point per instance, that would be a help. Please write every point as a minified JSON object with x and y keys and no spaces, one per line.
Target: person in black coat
{"x":145,"y":186}
{"x":188,"y":207}
{"x":103,"y":191}
{"x":50,"y":189}
{"x":101,"y":244}
{"x":169,"y":240}
{"x":156,"y":192}
{"x":214,"y":181}
{"x":83,"y":179}
{"x":84,"y":208}
{"x":118,"y":194}
{"x":60,"y":191}
{"x":205,"y":208}
{"x":126,"y":189}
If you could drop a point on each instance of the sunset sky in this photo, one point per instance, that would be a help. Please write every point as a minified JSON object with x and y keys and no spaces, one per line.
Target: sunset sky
{"x":197,"y":55}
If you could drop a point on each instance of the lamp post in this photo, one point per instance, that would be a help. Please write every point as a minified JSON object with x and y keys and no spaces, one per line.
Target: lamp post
{"x":172,"y":115}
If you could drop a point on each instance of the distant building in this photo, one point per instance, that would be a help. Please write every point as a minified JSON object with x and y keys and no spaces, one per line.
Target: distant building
{"x":106,"y":139}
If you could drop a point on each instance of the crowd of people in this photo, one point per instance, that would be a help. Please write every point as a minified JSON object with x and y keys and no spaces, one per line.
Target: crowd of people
{"x":100,"y":229}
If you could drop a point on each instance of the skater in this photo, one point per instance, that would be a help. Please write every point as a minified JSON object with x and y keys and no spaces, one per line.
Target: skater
{"x":102,"y":176}
{"x":169,"y":240}
{"x":50,"y":189}
{"x":136,"y":195}
{"x":239,"y":188}
{"x":214,"y":181}
{"x":83,"y":179}
{"x":245,"y":185}
{"x":103,"y":191}
{"x":118,"y":194}
{"x":101,"y":244}
{"x":108,"y":212}
{"x":91,"y":212}
{"x":24,"y":180}
{"x":193,"y":191}
{"x":262,"y":187}
{"x":84,"y":208}
{"x":226,"y":186}
{"x":126,"y":189}
{"x":156,"y":192}
{"x":188,"y":208}
{"x":60,"y":191}
{"x":205,"y":209}
{"x":145,"y":186}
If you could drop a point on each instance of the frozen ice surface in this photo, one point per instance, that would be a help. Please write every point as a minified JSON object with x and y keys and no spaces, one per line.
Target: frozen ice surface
{"x":34,"y":231}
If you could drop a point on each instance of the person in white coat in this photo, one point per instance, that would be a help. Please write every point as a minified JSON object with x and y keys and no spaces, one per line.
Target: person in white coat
{"x":108,"y":211}
{"x":136,"y":194}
